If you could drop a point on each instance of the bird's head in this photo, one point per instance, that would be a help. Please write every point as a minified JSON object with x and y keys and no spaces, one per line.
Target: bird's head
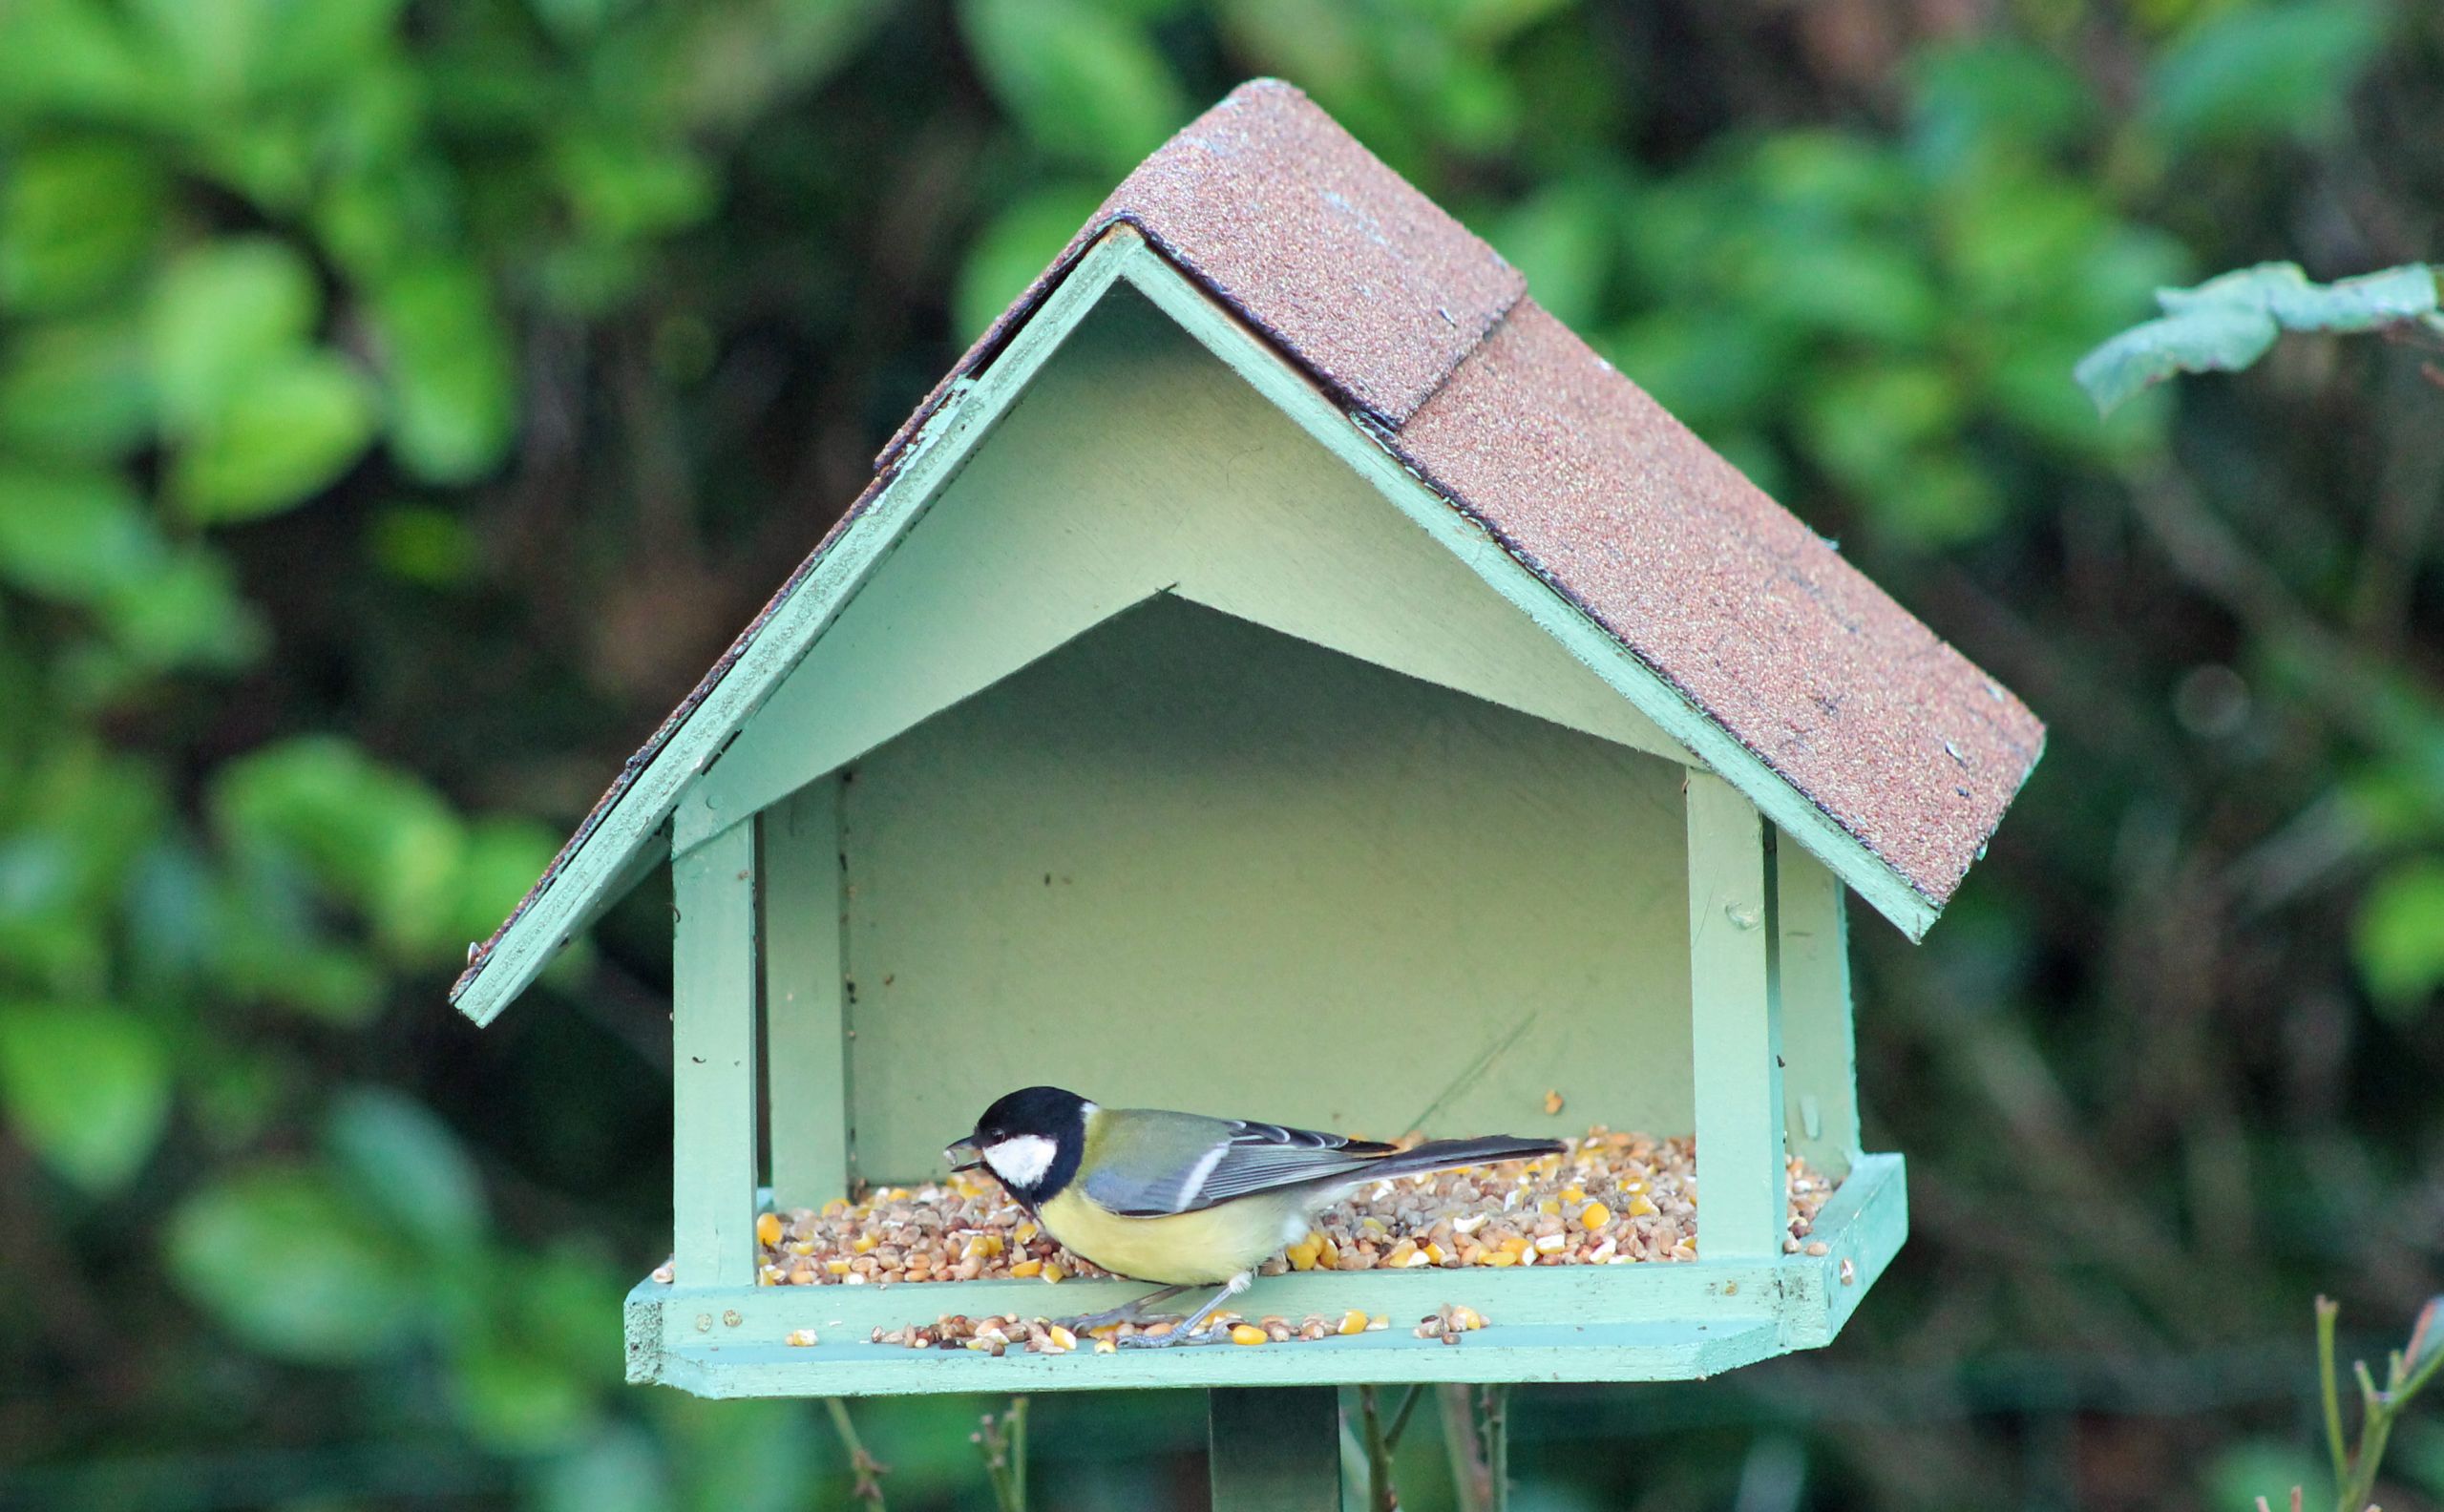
{"x":1030,"y":1139}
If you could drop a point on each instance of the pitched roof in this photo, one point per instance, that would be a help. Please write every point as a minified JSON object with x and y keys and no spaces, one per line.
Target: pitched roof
{"x":1423,"y":334}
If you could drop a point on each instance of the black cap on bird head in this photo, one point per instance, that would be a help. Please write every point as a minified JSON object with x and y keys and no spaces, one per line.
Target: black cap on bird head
{"x":1030,"y":1139}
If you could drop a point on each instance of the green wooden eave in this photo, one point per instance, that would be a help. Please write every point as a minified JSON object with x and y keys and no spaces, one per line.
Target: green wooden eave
{"x":631,"y":832}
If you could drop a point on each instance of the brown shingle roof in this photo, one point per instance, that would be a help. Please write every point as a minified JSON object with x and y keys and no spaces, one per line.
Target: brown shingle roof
{"x":1421,"y":330}
{"x":1363,"y":282}
{"x":1744,"y":610}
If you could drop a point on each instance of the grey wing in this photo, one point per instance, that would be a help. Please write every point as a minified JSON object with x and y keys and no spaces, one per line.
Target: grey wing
{"x":1239,"y":1157}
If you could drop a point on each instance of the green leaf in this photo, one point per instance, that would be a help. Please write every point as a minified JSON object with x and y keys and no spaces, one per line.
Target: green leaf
{"x":282,"y":433}
{"x":1085,"y":83}
{"x":86,"y":1087}
{"x":1973,"y":100}
{"x":1561,"y":238}
{"x":188,"y":614}
{"x":75,"y":536}
{"x":2228,"y":321}
{"x":77,"y":218}
{"x":2259,"y":70}
{"x":1019,"y":243}
{"x":2398,"y":938}
{"x":73,"y":59}
{"x":451,"y":376}
{"x":78,"y":390}
{"x":220,"y":313}
{"x":2210,"y":338}
{"x":377,"y":839}
{"x":407,"y":1162}
{"x":283,"y":1258}
{"x":2283,"y":291}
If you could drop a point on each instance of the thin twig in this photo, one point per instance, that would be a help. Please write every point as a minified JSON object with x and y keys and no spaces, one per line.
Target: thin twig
{"x":867,"y":1470}
{"x":1380,"y":1495}
{"x":2328,"y":1311}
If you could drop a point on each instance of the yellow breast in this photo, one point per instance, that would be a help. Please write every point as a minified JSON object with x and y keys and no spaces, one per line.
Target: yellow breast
{"x":1206,"y":1247}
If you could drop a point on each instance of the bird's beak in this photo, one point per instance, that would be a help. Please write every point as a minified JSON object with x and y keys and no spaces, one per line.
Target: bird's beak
{"x":964,"y":1155}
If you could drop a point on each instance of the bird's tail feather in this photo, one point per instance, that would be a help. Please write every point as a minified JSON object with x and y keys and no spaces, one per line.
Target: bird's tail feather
{"x":1435,"y":1155}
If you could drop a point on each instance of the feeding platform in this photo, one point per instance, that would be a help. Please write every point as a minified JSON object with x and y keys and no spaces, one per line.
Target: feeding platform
{"x":1282,"y":673}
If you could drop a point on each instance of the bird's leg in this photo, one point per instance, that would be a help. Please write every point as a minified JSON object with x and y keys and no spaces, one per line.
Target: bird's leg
{"x":1180,"y":1334}
{"x":1130,"y":1313}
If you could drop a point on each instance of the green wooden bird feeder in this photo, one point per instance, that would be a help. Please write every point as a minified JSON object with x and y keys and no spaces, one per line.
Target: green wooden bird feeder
{"x":1282,"y":672}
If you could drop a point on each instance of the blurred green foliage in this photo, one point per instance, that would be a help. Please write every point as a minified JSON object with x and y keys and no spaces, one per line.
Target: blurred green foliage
{"x":401,"y":401}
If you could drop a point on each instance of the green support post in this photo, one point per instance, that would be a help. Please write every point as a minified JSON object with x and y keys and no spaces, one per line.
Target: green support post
{"x":1275,"y":1448}
{"x":1735,"y":1025}
{"x":713,"y":1176}
{"x":806,"y":1044}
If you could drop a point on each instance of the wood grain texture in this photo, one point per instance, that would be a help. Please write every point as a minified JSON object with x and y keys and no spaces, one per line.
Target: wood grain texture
{"x":713,"y":1088}
{"x":1820,"y":1078}
{"x":1643,"y":1321}
{"x":806,"y":1025}
{"x":1735,"y":1031}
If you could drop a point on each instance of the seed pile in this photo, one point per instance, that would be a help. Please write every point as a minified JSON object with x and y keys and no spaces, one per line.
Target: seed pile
{"x":1613,"y":1199}
{"x":1003,"y":1332}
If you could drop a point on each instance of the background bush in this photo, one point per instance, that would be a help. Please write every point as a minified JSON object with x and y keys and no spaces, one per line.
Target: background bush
{"x":401,"y":401}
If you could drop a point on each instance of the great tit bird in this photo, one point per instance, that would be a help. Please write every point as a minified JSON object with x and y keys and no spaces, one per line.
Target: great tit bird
{"x":1181,"y":1199}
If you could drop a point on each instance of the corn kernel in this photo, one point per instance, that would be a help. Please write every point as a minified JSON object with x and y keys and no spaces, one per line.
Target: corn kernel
{"x":1303,"y":1255}
{"x":1594,"y":1215}
{"x":1328,"y":1257}
{"x":1400,"y":1254}
{"x":1247,"y":1333}
{"x":1552,"y":1244}
{"x":1503,"y":1257}
{"x":1514,"y":1246}
{"x":1026,"y":1232}
{"x":767,"y":1229}
{"x":1063,"y":1339}
{"x":1633,"y":1187}
{"x":1377,"y":1323}
{"x":1435,"y":1254}
{"x":1640,"y":1206}
{"x":1550,"y":1205}
{"x":801,"y":1337}
{"x":865,"y":1242}
{"x":1352,"y":1321}
{"x":1052,"y":1271}
{"x":1466,"y":1317}
{"x":1105,"y":1346}
{"x":1417,"y":1258}
{"x":836,"y":1267}
{"x":983,"y":1247}
{"x":1571,"y":1196}
{"x":834,"y":1207}
{"x":1026,"y":1268}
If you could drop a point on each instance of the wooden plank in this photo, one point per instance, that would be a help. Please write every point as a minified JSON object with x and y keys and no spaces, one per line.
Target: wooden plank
{"x":1640,"y":1321}
{"x":1819,"y":1075}
{"x":806,"y":1059}
{"x":1890,"y":893}
{"x":713,"y":981}
{"x":1734,"y":1030}
{"x":585,"y":881}
{"x":1274,"y":1449}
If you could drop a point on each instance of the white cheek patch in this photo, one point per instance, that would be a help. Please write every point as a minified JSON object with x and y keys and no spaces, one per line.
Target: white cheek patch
{"x":1021,"y":1160}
